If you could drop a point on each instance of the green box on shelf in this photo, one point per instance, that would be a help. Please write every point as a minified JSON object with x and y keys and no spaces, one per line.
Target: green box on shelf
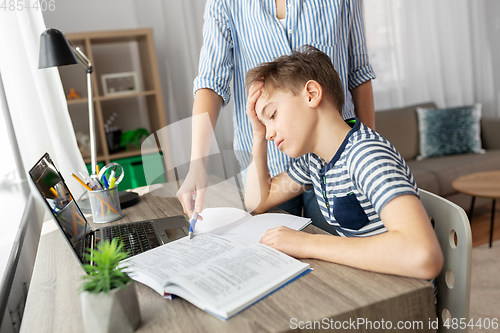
{"x":134,"y":170}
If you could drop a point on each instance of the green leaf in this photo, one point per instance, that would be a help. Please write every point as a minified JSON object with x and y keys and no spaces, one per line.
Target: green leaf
{"x":105,"y":274}
{"x":127,"y":138}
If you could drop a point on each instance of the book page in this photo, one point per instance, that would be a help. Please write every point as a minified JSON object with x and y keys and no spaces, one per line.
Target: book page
{"x":252,"y":230}
{"x":214,"y":218}
{"x":234,"y":279}
{"x":155,"y":267}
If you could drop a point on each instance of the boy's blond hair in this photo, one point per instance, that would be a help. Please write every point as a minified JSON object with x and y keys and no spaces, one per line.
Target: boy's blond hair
{"x":291,"y":72}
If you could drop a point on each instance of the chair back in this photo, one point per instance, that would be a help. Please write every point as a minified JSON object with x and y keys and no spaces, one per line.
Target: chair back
{"x":453,"y":232}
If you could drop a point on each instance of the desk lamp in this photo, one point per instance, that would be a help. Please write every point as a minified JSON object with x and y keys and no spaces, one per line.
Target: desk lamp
{"x":55,"y":51}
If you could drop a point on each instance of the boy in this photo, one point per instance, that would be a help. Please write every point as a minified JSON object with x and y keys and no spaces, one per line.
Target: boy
{"x":363,"y":186}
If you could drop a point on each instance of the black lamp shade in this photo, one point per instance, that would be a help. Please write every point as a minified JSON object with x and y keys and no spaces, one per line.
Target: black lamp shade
{"x":55,"y":50}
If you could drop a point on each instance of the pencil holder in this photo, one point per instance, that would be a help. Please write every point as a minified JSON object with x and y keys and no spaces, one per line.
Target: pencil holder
{"x":105,"y":205}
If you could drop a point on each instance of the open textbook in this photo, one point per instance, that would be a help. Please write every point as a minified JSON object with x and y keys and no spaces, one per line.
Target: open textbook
{"x":234,"y":222}
{"x":222,"y":270}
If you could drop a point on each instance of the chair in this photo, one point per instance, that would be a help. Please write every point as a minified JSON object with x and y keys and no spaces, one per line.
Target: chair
{"x":453,"y":232}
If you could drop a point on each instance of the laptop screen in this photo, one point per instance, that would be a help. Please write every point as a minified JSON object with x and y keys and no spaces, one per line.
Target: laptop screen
{"x":61,"y":203}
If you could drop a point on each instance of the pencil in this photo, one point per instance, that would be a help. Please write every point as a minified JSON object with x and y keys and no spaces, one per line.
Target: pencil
{"x":81,"y":182}
{"x":80,"y":218}
{"x":54,"y":192}
{"x":107,"y":204}
{"x":102,"y":208}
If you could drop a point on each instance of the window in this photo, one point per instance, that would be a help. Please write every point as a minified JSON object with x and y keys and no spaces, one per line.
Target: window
{"x":383,"y":38}
{"x":8,"y":168}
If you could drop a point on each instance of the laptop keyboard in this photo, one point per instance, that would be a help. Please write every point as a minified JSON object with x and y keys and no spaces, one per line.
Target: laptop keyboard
{"x":136,"y":237}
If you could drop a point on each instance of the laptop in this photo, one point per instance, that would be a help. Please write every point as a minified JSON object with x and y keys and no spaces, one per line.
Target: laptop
{"x":137,"y":237}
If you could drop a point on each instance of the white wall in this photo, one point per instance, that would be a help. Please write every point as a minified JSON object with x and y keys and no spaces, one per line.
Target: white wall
{"x":493,"y":26}
{"x":89,"y":15}
{"x":178,"y":42}
{"x":94,"y":15}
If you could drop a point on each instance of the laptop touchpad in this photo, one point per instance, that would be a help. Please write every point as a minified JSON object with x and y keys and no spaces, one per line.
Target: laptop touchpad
{"x":176,"y":233}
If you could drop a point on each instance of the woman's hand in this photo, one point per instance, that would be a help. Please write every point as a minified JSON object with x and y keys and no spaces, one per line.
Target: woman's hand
{"x":259,"y":130}
{"x":194,"y":185}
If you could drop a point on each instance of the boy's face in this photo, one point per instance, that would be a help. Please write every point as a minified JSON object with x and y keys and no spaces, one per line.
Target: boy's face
{"x":288,"y":120}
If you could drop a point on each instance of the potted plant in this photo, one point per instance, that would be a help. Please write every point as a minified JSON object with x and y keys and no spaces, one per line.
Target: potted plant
{"x":109,"y":300}
{"x":133,"y":136}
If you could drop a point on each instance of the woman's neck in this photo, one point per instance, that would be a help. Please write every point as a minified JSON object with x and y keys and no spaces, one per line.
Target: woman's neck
{"x":281,"y":9}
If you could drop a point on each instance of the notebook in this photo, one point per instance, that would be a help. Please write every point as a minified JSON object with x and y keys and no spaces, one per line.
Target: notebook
{"x":137,"y":237}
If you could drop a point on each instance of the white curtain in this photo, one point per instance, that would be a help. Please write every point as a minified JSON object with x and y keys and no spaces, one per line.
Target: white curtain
{"x":428,"y":50}
{"x":35,"y":97}
{"x":177,"y":26}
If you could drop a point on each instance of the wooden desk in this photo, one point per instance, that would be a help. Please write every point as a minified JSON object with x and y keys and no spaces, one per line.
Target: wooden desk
{"x":484,"y":184}
{"x":331,"y":291}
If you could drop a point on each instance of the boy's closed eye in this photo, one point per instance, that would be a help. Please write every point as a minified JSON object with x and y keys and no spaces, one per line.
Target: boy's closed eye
{"x":264,"y":111}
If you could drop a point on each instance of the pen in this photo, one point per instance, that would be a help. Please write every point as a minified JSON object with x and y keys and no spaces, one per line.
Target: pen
{"x":95,"y":184}
{"x":112,"y":178}
{"x":192,"y":223}
{"x":112,"y":182}
{"x":105,"y":182}
{"x":84,"y":177}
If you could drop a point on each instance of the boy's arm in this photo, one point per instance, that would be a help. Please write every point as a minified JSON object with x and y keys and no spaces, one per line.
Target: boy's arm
{"x":409,"y":247}
{"x":261,"y":191}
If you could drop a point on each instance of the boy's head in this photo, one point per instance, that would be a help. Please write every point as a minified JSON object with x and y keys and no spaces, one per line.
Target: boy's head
{"x":290,"y":73}
{"x":297,"y":90}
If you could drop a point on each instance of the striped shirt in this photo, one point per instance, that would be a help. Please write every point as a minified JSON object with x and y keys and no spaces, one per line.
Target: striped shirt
{"x":363,"y":176}
{"x":238,"y":35}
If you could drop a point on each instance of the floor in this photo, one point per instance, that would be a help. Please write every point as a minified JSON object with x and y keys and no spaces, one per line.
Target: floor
{"x":485,"y":287}
{"x":480,"y":225}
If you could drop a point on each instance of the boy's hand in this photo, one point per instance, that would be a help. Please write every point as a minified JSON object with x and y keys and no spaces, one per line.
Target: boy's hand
{"x":259,"y":130}
{"x":289,"y":241}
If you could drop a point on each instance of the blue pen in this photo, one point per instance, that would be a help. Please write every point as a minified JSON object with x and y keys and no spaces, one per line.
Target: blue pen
{"x":192,"y":223}
{"x":105,"y":181}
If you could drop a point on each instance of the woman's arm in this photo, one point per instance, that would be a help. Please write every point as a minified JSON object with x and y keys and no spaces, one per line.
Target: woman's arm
{"x":360,"y":71}
{"x":209,"y":103}
{"x":362,"y":97}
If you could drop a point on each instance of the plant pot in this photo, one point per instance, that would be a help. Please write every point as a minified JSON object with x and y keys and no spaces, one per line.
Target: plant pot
{"x":117,"y":311}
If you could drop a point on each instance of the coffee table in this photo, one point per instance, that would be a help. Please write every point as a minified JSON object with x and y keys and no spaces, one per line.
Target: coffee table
{"x":480,"y":184}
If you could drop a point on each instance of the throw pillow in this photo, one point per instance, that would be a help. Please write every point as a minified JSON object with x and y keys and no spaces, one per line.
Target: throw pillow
{"x":449,"y":131}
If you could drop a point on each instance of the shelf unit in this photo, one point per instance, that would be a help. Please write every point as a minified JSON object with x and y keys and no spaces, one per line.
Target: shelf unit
{"x":117,"y":52}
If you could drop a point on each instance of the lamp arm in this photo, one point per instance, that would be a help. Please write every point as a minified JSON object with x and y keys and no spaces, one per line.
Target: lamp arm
{"x":93,"y":152}
{"x":85,"y":62}
{"x":82,"y":58}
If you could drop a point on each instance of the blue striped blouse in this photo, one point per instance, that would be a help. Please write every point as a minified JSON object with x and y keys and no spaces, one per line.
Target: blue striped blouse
{"x":240,"y":34}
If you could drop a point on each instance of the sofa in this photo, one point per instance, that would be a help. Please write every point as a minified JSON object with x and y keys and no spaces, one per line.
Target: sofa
{"x":400,"y":127}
